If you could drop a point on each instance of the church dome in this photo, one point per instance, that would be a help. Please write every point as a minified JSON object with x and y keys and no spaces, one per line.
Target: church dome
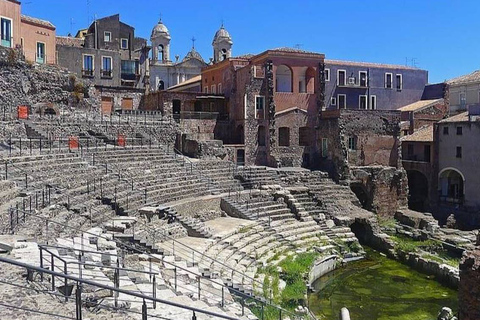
{"x":193,"y":54}
{"x":160,"y":30}
{"x":222,"y":34}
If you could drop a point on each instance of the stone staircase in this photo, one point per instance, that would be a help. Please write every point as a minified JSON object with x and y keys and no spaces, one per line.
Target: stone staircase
{"x":34,"y":131}
{"x":195,"y":227}
{"x":219,"y":175}
{"x":256,"y":176}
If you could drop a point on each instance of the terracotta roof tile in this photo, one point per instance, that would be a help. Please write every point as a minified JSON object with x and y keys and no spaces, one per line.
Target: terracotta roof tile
{"x":461,"y":117}
{"x":45,"y":23}
{"x":419,"y":105}
{"x":69,"y":41}
{"x":424,"y":134}
{"x":471,"y":77}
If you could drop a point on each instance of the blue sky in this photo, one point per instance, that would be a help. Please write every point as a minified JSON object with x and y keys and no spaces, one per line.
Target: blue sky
{"x":440,"y":36}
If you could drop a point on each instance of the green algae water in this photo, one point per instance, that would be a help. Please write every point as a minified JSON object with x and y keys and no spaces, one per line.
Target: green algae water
{"x":379,"y":288}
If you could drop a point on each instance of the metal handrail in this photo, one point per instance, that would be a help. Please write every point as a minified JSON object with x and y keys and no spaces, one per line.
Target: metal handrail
{"x":82,"y":250}
{"x":44,"y":247}
{"x":177,"y":267}
{"x":204,"y":255}
{"x":106,"y":287}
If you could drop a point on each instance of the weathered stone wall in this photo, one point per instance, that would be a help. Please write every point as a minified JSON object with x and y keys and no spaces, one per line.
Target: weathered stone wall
{"x":118,"y":94}
{"x":375,"y":133}
{"x":254,"y":153}
{"x":292,"y":155}
{"x":430,"y":115}
{"x":334,"y":159}
{"x":198,"y":129}
{"x":386,"y":188}
{"x":156,"y":100}
{"x":25,"y":84}
{"x":213,"y":149}
{"x":469,"y":288}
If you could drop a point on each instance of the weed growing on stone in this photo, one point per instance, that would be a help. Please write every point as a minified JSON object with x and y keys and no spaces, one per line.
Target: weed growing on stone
{"x":244,"y":229}
{"x":407,"y":245}
{"x":453,"y":262}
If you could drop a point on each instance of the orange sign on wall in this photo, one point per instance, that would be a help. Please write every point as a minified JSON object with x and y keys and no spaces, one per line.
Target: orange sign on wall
{"x":121,"y":140}
{"x":22,"y":112}
{"x":73,"y":142}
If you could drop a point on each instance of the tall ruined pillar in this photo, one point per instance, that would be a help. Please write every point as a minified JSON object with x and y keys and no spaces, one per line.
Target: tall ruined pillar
{"x":321,"y":87}
{"x":469,"y":288}
{"x":270,"y":106}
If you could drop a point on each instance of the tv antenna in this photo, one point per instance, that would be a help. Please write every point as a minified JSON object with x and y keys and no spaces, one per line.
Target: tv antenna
{"x":71,"y":25}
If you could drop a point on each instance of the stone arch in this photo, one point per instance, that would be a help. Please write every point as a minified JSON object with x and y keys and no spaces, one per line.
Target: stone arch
{"x":160,"y":52}
{"x":417,"y":190}
{"x":362,"y":194}
{"x":284,"y":78}
{"x":451,"y":184}
{"x":223,"y":54}
{"x":161,"y":85}
{"x":310,"y":80}
{"x":46,"y":108}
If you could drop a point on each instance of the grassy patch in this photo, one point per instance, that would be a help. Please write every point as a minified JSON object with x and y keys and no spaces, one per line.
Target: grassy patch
{"x":386,"y":222}
{"x":446,"y":260}
{"x":294,"y":268}
{"x":409,"y":245}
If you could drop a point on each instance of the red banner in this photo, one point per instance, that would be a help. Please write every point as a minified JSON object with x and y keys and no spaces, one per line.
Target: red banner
{"x":121,"y":140}
{"x":73,"y":142}
{"x":22,"y":112}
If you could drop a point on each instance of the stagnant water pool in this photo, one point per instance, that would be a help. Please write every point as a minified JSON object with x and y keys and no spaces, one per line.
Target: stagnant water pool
{"x":378,"y":288}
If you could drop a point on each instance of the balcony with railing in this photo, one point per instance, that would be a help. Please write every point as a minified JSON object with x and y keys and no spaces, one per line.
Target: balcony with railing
{"x":88,"y":73}
{"x":106,"y":73}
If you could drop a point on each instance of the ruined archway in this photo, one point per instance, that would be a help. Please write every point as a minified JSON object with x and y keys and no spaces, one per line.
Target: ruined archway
{"x":362,"y":195}
{"x":417,"y":191}
{"x":451,"y":183}
{"x":46,"y":108}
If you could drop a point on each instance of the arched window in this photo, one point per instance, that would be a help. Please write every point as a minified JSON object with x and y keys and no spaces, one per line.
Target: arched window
{"x":284,"y":136}
{"x":283,"y":79}
{"x":224,"y":55}
{"x":451,"y":184}
{"x":310,"y":80}
{"x":261,"y":136}
{"x":161,"y":85}
{"x":160,"y":52}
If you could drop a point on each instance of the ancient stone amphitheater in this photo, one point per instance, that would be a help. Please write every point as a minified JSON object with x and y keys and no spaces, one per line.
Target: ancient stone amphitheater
{"x":92,"y":229}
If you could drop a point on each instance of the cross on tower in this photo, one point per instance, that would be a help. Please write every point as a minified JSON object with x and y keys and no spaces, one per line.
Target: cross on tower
{"x":160,"y":17}
{"x":193,"y":42}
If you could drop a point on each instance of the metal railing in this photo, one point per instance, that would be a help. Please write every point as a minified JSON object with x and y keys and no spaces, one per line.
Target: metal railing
{"x":244,"y":297}
{"x":81,"y":282}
